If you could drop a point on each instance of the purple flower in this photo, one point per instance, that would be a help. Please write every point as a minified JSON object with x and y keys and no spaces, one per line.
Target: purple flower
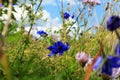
{"x":66,"y":15}
{"x":113,"y":23}
{"x":42,"y":33}
{"x":58,"y":47}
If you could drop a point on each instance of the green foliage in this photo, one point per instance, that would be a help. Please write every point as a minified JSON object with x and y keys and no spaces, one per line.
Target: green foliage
{"x":1,"y":25}
{"x":6,"y":2}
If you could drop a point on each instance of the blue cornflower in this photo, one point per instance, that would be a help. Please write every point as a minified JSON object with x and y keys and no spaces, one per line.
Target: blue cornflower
{"x":66,"y":15}
{"x":113,"y":23}
{"x":111,"y":62}
{"x":42,"y":33}
{"x":117,"y":50}
{"x":58,"y":47}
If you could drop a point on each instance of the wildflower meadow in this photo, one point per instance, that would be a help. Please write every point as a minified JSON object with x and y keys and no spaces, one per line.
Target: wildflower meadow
{"x":59,"y":40}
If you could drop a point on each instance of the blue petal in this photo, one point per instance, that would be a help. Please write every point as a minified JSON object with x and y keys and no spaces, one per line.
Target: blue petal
{"x":54,"y":51}
{"x":98,"y":63}
{"x":41,"y":33}
{"x":50,"y":54}
{"x":114,"y":61}
{"x":51,"y":48}
{"x":107,"y":69}
{"x":117,"y":50}
{"x":58,"y":43}
{"x":65,"y":47}
{"x":61,"y":52}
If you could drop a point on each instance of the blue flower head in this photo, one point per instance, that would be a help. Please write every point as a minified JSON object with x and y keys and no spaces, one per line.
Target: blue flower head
{"x":114,"y":61}
{"x":107,"y":69}
{"x":117,"y":50}
{"x":58,"y":47}
{"x":42,"y":33}
{"x":66,"y":15}
{"x":113,"y":23}
{"x":111,"y":62}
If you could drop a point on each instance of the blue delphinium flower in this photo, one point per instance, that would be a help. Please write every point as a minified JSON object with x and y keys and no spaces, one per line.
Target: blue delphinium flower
{"x":58,"y":47}
{"x":42,"y":33}
{"x":66,"y":15}
{"x":117,"y":50}
{"x":111,"y":62}
{"x":113,"y":23}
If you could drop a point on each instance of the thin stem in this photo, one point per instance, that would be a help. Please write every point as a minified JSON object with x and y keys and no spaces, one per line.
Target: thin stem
{"x":117,"y":34}
{"x":0,"y":1}
{"x":63,"y":13}
{"x":63,"y":22}
{"x":90,"y":67}
{"x":5,"y":29}
{"x":96,"y":17}
{"x":76,"y":18}
{"x":33,"y":20}
{"x":22,"y":15}
{"x":58,"y":5}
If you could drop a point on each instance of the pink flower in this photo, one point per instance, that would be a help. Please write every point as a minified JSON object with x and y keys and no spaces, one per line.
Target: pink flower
{"x":82,"y":56}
